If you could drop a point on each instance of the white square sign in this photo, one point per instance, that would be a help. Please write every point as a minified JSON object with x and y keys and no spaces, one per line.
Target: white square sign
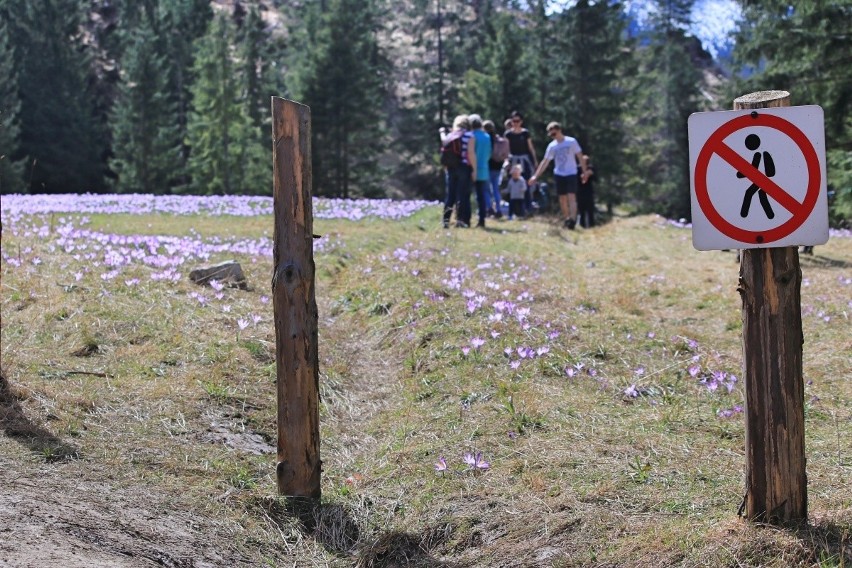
{"x":757,"y":178}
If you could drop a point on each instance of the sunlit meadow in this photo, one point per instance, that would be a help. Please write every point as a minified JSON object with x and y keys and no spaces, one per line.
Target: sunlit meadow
{"x":516,"y":396}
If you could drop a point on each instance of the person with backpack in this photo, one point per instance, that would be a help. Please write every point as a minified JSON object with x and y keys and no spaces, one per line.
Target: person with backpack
{"x":499,"y":155}
{"x":457,"y":157}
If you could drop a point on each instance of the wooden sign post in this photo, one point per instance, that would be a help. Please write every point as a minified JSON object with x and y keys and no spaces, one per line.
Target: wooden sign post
{"x":770,"y":287}
{"x":294,"y":302}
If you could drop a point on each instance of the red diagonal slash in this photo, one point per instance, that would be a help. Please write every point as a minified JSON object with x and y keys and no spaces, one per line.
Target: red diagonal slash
{"x":771,"y":188}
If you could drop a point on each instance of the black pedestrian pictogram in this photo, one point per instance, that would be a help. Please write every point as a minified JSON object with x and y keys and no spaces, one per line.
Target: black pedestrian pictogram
{"x":752,"y":142}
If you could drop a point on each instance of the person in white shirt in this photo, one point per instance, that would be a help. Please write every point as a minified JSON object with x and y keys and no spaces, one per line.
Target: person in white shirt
{"x":566,"y":154}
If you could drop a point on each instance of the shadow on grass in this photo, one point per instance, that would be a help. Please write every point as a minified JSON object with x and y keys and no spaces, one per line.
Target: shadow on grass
{"x":821,"y":543}
{"x":337,"y":530}
{"x":826,"y":543}
{"x":16,"y":425}
{"x":821,"y":261}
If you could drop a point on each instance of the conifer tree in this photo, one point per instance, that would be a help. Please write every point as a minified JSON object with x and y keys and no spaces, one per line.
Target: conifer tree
{"x":664,"y":92}
{"x":804,"y":47}
{"x":11,"y":164}
{"x":59,"y":132}
{"x":259,"y":52}
{"x":144,"y":119}
{"x":342,"y":78}
{"x":226,"y":156}
{"x":180,"y":24}
{"x":500,"y":81}
{"x":588,"y":84}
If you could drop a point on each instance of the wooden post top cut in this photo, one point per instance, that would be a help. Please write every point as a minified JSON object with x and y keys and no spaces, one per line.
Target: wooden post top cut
{"x":763,"y":99}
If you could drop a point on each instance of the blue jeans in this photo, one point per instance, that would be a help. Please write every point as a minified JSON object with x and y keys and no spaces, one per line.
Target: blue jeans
{"x":458,"y":194}
{"x":483,"y":191}
{"x":493,"y":199}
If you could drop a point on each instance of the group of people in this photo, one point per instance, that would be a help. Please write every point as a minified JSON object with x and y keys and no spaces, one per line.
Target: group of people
{"x":475,"y":156}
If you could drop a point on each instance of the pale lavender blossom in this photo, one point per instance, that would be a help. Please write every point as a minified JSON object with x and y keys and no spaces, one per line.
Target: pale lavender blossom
{"x":477,"y":342}
{"x":631,"y":391}
{"x":242,"y":323}
{"x":476,"y":461}
{"x":441,"y":464}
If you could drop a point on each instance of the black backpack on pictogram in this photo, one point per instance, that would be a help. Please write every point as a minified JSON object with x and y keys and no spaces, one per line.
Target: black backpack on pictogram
{"x":451,"y":150}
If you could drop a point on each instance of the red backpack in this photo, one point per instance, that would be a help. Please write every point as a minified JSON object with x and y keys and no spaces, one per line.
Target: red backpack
{"x":451,"y":150}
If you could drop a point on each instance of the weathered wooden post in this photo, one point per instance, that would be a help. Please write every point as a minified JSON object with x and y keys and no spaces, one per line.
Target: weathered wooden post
{"x":770,"y":287}
{"x":294,"y":302}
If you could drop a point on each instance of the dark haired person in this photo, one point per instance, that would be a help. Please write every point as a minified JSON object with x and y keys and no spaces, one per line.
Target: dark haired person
{"x":566,"y":154}
{"x":586,"y":197}
{"x":521,"y":151}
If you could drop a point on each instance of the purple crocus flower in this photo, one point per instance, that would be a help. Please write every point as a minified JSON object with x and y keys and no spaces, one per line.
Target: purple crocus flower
{"x":477,"y":342}
{"x":441,"y":464}
{"x":476,"y":461}
{"x":631,"y":391}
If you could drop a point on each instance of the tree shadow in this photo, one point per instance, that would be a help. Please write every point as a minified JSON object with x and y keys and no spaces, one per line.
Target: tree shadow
{"x":818,"y":260}
{"x":17,"y":426}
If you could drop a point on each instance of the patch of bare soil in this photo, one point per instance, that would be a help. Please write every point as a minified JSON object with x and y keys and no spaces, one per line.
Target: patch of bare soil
{"x":58,"y":510}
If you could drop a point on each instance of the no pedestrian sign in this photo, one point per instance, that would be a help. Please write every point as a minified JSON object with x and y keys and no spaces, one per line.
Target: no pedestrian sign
{"x":758,"y":178}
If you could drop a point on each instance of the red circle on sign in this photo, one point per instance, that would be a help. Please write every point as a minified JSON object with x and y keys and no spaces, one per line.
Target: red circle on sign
{"x":799,"y":216}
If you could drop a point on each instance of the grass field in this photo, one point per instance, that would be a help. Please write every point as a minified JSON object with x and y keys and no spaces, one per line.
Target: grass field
{"x":595,"y":371}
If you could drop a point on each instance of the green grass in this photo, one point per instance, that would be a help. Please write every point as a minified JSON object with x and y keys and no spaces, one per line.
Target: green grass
{"x":581,"y":474}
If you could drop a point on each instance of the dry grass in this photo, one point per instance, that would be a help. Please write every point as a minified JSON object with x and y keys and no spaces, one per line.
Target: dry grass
{"x":151,"y":395}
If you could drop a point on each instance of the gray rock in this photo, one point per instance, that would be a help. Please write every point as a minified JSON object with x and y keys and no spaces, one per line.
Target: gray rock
{"x":229,"y":273}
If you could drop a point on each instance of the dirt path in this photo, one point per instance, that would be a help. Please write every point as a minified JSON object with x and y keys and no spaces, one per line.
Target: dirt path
{"x":50,"y":518}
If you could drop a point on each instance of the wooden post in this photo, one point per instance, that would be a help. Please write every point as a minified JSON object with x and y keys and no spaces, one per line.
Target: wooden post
{"x":770,"y":287}
{"x":294,"y":302}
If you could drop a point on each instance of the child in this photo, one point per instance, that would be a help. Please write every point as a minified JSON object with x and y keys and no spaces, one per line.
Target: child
{"x":517,"y":189}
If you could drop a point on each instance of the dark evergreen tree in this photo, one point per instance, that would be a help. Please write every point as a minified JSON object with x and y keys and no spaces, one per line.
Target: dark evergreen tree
{"x":342,"y":77}
{"x":181,"y":23}
{"x":588,"y":84}
{"x":501,"y":80}
{"x":11,"y":164}
{"x":144,"y":120}
{"x":664,"y":92}
{"x":259,"y":52}
{"x":60,"y":135}
{"x":226,"y":153}
{"x":805,"y":47}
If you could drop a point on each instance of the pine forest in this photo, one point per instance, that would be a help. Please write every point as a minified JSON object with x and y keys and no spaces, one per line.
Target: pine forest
{"x":173,"y":96}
